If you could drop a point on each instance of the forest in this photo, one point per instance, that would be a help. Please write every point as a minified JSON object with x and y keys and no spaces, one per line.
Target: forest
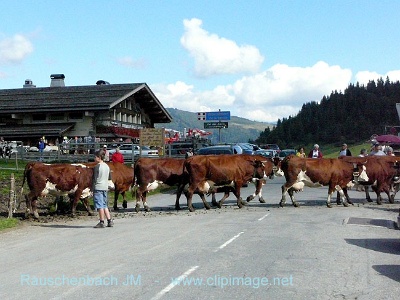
{"x":351,"y":116}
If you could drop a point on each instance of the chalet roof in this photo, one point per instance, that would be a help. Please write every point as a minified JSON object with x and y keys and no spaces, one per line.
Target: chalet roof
{"x":18,"y":131}
{"x":81,"y":98}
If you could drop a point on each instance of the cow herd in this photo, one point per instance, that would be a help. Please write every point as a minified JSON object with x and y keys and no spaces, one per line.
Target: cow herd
{"x":210,"y":174}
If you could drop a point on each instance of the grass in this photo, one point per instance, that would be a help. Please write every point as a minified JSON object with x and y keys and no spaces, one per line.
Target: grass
{"x":8,"y":223}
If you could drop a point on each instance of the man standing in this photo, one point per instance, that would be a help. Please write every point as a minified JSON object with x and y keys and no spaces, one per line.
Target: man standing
{"x":101,"y":176}
{"x":344,"y":151}
{"x":106,"y":153}
{"x":117,"y":156}
{"x":189,"y":153}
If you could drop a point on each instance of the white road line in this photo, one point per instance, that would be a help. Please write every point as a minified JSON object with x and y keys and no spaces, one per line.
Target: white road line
{"x":174,"y":283}
{"x":228,"y":242}
{"x":262,"y":218}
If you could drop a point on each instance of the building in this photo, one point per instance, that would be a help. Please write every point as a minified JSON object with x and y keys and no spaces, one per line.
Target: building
{"x":103,"y":110}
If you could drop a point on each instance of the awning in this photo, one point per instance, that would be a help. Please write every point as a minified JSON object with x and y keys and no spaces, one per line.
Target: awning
{"x":34,"y":130}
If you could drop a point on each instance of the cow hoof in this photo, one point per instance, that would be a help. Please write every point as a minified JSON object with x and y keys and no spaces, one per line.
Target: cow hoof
{"x":391,"y":199}
{"x":281,"y":204}
{"x":249,"y":198}
{"x":243,"y":202}
{"x":125,"y":204}
{"x":90,"y":214}
{"x":369,"y":199}
{"x":219,"y":204}
{"x":261,"y":200}
{"x":329,"y":205}
{"x":345,"y":204}
{"x":191,"y":209}
{"x":35,"y":215}
{"x":214,"y":203}
{"x":137,"y":208}
{"x":338,"y":202}
{"x":115,"y":208}
{"x":177,"y":207}
{"x":147,"y":209}
{"x":295,"y":204}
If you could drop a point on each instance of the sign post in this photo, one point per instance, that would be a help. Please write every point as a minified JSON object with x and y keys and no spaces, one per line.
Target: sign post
{"x":215,"y":116}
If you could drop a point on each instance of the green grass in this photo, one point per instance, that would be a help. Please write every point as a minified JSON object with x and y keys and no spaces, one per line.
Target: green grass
{"x":8,"y":223}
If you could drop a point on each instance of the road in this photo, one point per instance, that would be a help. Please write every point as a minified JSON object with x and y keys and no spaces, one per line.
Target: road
{"x":258,"y":252}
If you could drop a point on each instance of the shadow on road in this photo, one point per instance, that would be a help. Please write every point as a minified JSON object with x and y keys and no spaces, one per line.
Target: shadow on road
{"x":390,"y":271}
{"x":391,"y":246}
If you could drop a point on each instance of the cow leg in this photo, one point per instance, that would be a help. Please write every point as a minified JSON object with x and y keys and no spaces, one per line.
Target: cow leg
{"x":214,"y":200}
{"x":342,"y":196}
{"x":178,"y":195}
{"x":205,"y":203}
{"x":219,"y":204}
{"x":34,"y":208}
{"x":284,"y":192}
{"x":28,"y":204}
{"x":139,"y":196}
{"x":346,"y":194}
{"x":367,"y":196}
{"x":377,"y":190}
{"x":189,"y":197}
{"x":85,"y":202}
{"x":116,"y":195}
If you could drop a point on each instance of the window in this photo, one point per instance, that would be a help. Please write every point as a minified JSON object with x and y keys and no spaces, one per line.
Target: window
{"x":76,"y":116}
{"x":38,"y":117}
{"x":57,"y":117}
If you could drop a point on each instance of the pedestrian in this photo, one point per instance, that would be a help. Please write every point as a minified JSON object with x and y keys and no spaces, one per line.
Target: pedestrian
{"x":301,"y":153}
{"x":117,"y":156}
{"x":106,"y":154}
{"x":344,"y":151}
{"x":315,"y":152}
{"x":189,"y":153}
{"x":377,"y":150}
{"x":101,"y":176}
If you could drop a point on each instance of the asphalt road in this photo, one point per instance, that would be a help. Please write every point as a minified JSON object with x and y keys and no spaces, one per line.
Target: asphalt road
{"x":258,"y":252}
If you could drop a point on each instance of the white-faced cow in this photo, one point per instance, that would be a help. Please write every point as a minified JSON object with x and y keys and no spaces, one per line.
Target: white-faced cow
{"x":58,"y":180}
{"x":207,"y":172}
{"x":335,"y":173}
{"x":382,"y":171}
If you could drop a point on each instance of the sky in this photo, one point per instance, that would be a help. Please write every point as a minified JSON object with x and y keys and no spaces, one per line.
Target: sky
{"x":259,"y":59}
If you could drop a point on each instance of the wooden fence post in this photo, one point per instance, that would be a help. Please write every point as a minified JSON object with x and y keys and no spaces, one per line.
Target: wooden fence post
{"x":12,"y":196}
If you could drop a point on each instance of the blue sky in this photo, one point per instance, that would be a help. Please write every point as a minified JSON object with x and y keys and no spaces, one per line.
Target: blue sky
{"x":260,"y":60}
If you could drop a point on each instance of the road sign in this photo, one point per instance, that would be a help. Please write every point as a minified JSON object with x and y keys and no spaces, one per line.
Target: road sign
{"x":214,"y":116}
{"x":208,"y":125}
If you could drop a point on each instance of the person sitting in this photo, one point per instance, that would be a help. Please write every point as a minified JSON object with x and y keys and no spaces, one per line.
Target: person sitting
{"x":117,"y":156}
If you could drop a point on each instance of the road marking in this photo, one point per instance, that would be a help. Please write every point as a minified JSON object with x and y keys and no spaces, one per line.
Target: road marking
{"x":228,"y":242}
{"x":262,"y":218}
{"x":174,"y":283}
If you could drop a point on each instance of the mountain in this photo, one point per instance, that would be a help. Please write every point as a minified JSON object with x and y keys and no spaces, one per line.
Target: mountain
{"x":239,"y":129}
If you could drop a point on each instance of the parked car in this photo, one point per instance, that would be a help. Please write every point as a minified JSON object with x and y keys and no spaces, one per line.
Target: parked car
{"x":126,"y":150}
{"x":267,"y":152}
{"x":220,"y":149}
{"x":272,"y":147}
{"x":286,"y":152}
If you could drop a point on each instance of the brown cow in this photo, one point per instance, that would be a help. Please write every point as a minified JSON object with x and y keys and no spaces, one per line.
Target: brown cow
{"x":208,"y":171}
{"x":271,"y":168}
{"x":335,"y":173}
{"x":58,"y":180}
{"x":151,"y":172}
{"x":123,"y":179}
{"x":382,"y":172}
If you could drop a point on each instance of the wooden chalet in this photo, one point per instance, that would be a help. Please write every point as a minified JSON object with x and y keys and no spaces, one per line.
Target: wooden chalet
{"x":105,"y":111}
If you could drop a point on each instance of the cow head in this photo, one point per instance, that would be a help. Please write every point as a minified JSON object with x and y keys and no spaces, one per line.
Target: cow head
{"x":259,"y":170}
{"x":360,"y":173}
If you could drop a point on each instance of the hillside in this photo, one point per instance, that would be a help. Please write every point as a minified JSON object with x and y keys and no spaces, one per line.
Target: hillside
{"x":239,"y":129}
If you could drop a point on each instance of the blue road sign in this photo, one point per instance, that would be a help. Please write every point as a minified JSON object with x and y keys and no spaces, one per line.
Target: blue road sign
{"x":218,"y":115}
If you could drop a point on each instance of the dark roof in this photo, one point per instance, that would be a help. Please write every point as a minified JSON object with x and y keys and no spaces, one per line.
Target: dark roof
{"x":18,"y":131}
{"x":79,"y":98}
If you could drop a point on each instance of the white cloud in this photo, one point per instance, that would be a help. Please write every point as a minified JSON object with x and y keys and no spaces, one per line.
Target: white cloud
{"x":15,"y":49}
{"x":129,"y":62}
{"x":215,"y":55}
{"x":363,"y":77}
{"x":268,"y":96}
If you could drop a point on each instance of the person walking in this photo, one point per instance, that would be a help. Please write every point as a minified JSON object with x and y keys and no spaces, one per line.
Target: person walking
{"x":101,"y":176}
{"x":41,"y":147}
{"x":315,"y":152}
{"x":117,"y":156}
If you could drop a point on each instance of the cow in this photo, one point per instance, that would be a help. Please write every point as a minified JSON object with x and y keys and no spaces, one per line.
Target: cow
{"x":271,"y":168}
{"x":151,"y":172}
{"x":58,"y":180}
{"x":209,"y":171}
{"x":335,"y":173}
{"x":123,"y":179}
{"x":382,"y":171}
